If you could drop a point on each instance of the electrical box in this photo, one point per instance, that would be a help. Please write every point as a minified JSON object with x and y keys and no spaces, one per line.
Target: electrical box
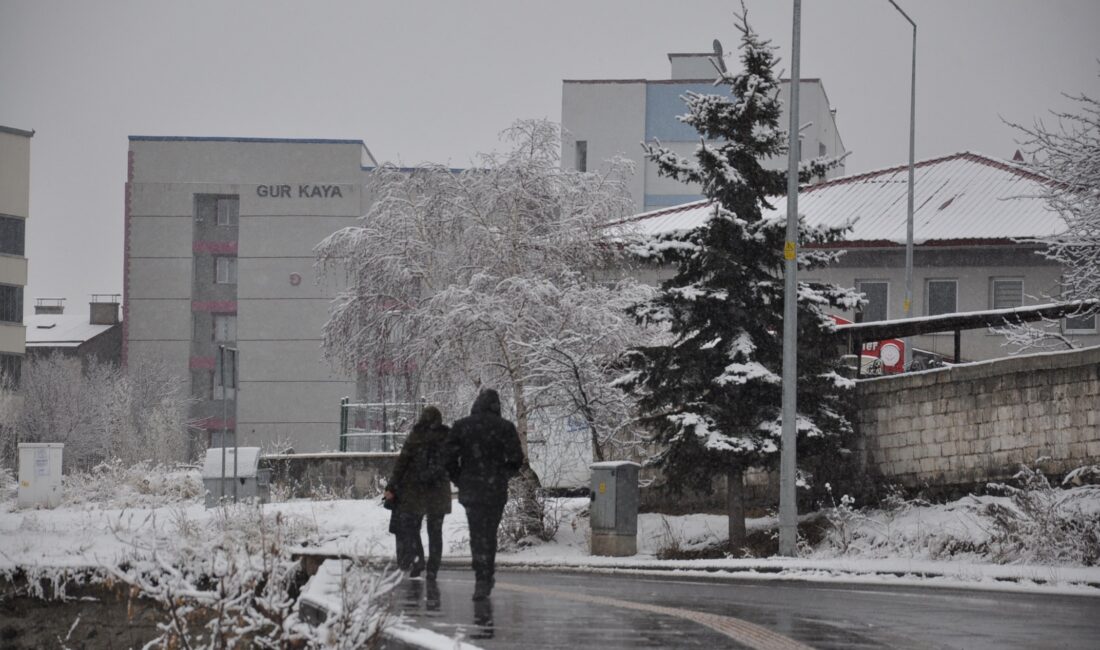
{"x":250,"y":482}
{"x":40,"y":474}
{"x":614,"y":511}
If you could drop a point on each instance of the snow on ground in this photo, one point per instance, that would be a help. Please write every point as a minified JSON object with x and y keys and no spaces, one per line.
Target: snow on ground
{"x":931,"y":544}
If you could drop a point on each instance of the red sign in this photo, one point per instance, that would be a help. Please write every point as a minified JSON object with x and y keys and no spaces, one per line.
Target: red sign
{"x":890,"y":352}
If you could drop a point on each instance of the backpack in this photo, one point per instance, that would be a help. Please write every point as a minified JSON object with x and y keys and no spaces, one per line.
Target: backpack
{"x":429,"y":465}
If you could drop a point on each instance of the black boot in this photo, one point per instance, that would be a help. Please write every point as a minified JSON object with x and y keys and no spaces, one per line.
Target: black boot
{"x":482,"y":589}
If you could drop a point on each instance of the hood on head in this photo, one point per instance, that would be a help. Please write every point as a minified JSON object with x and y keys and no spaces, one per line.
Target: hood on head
{"x":488,"y":400}
{"x":430,"y":417}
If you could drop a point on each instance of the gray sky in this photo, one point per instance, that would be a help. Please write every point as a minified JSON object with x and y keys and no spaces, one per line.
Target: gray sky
{"x":420,"y":81}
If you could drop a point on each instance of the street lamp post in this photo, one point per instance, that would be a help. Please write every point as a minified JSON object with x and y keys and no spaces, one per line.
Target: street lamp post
{"x":788,"y":508}
{"x":907,"y":305}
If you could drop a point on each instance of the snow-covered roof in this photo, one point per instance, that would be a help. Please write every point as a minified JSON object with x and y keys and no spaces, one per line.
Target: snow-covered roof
{"x":964,"y":197}
{"x":61,"y":330}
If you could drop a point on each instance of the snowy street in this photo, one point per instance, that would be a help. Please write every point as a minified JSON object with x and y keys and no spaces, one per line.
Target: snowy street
{"x":563,"y":610}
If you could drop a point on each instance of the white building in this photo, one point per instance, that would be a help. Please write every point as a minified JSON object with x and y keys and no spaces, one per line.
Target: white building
{"x":602,"y":118}
{"x":219,"y":251}
{"x":15,"y":181}
{"x":971,"y":213}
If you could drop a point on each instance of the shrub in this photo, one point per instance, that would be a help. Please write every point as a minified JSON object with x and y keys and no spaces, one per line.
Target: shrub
{"x":1044,"y":524}
{"x":100,"y":412}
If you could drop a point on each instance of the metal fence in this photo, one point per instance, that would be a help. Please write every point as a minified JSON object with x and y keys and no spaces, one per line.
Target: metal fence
{"x":376,"y":426}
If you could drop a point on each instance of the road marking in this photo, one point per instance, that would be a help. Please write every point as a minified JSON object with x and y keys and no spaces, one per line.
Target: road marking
{"x":745,"y":633}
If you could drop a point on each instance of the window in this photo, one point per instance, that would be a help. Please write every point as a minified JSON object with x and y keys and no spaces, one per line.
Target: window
{"x":228,"y":211}
{"x":942,"y":297}
{"x":12,"y":235}
{"x":1081,"y":324}
{"x":821,"y":150}
{"x":582,"y":155}
{"x":225,"y":328}
{"x":229,"y":393}
{"x":1006,"y":293}
{"x":11,"y":366}
{"x":225,"y":270}
{"x":11,"y":303}
{"x":877,"y":295}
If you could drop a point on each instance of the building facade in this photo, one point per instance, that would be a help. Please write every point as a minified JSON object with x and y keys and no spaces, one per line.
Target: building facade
{"x":15,"y":181}
{"x":973,"y":218}
{"x":96,"y":334}
{"x":604,"y":118}
{"x":219,"y":252}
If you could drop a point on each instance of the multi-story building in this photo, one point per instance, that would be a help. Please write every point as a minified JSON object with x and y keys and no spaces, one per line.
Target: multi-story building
{"x":15,"y":177}
{"x":219,"y":252}
{"x":603,"y":118}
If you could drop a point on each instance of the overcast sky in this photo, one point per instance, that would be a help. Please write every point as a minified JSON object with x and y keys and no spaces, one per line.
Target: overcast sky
{"x":436,"y":81}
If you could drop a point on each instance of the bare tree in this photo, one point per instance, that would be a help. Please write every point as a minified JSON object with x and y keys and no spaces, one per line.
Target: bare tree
{"x":487,"y":277}
{"x":100,"y":412}
{"x":1068,"y":154}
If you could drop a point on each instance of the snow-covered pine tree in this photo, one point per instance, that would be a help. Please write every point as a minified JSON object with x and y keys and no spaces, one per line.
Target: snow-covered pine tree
{"x":713,"y":393}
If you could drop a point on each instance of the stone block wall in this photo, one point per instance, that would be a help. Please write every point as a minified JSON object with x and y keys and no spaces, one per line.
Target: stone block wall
{"x":978,"y":422}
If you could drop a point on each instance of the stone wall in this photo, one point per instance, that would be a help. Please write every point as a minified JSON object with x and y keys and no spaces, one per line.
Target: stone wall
{"x":351,"y":474}
{"x":978,"y":422}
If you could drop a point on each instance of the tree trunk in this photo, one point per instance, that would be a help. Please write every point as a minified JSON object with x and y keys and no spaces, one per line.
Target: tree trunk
{"x":526,"y":485}
{"x":735,"y":508}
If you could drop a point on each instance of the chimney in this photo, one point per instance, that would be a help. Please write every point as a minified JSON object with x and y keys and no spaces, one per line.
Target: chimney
{"x":104,"y":309}
{"x":692,"y":66}
{"x":49,"y":306}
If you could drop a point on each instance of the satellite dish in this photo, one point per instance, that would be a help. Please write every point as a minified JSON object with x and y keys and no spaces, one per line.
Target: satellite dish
{"x":719,"y":57}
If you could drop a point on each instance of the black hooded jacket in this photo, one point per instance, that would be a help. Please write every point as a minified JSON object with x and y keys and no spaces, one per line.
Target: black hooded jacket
{"x":483,"y":452}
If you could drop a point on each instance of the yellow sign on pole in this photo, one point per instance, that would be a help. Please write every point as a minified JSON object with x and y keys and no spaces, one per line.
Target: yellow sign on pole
{"x":788,"y":250}
{"x":603,"y":488}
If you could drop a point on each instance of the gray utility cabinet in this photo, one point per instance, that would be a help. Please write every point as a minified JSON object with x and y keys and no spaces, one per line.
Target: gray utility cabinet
{"x":250,"y":482}
{"x":614,"y":512}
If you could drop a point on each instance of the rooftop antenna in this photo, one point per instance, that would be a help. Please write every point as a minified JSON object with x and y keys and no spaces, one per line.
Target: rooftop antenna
{"x":718,"y":60}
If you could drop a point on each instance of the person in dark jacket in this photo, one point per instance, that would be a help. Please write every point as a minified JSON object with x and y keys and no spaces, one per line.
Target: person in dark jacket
{"x":483,"y":453}
{"x":420,"y":486}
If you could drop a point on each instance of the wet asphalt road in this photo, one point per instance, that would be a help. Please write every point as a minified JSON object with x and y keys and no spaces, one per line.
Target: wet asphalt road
{"x":573,"y":610}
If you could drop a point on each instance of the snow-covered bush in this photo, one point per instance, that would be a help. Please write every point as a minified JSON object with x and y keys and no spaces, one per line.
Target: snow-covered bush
{"x":233,"y":583}
{"x":1044,"y":524}
{"x":115,"y":484}
{"x":99,"y":411}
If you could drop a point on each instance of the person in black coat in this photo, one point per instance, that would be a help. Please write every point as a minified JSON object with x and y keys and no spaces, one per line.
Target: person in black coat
{"x":483,"y":453}
{"x":419,"y":488}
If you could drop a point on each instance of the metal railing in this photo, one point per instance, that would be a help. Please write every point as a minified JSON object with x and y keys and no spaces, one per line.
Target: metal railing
{"x":376,"y":426}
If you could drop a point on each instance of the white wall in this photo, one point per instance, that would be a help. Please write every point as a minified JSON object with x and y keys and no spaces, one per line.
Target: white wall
{"x":611,"y":118}
{"x":15,"y":174}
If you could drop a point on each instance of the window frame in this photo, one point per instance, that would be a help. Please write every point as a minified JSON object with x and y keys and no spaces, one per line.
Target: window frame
{"x":580,"y":156}
{"x":993,"y":281}
{"x":1066,"y":329}
{"x":16,"y":304}
{"x":886,"y":304}
{"x":230,"y":269}
{"x":928,"y":295}
{"x":231,"y":217}
{"x":13,"y":236}
{"x":214,"y":327}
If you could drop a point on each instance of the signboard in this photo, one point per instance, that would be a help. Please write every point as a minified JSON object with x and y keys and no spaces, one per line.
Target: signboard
{"x":890,"y":352}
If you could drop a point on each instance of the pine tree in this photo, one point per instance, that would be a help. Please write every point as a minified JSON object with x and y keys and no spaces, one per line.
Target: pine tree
{"x":713,"y":393}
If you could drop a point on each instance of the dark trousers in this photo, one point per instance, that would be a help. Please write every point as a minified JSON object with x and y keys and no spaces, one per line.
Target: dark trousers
{"x":484,"y":519}
{"x":410,"y":548}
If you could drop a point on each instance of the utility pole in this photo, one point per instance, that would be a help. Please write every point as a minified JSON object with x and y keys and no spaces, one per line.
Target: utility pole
{"x":788,"y":466}
{"x":908,"y":304}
